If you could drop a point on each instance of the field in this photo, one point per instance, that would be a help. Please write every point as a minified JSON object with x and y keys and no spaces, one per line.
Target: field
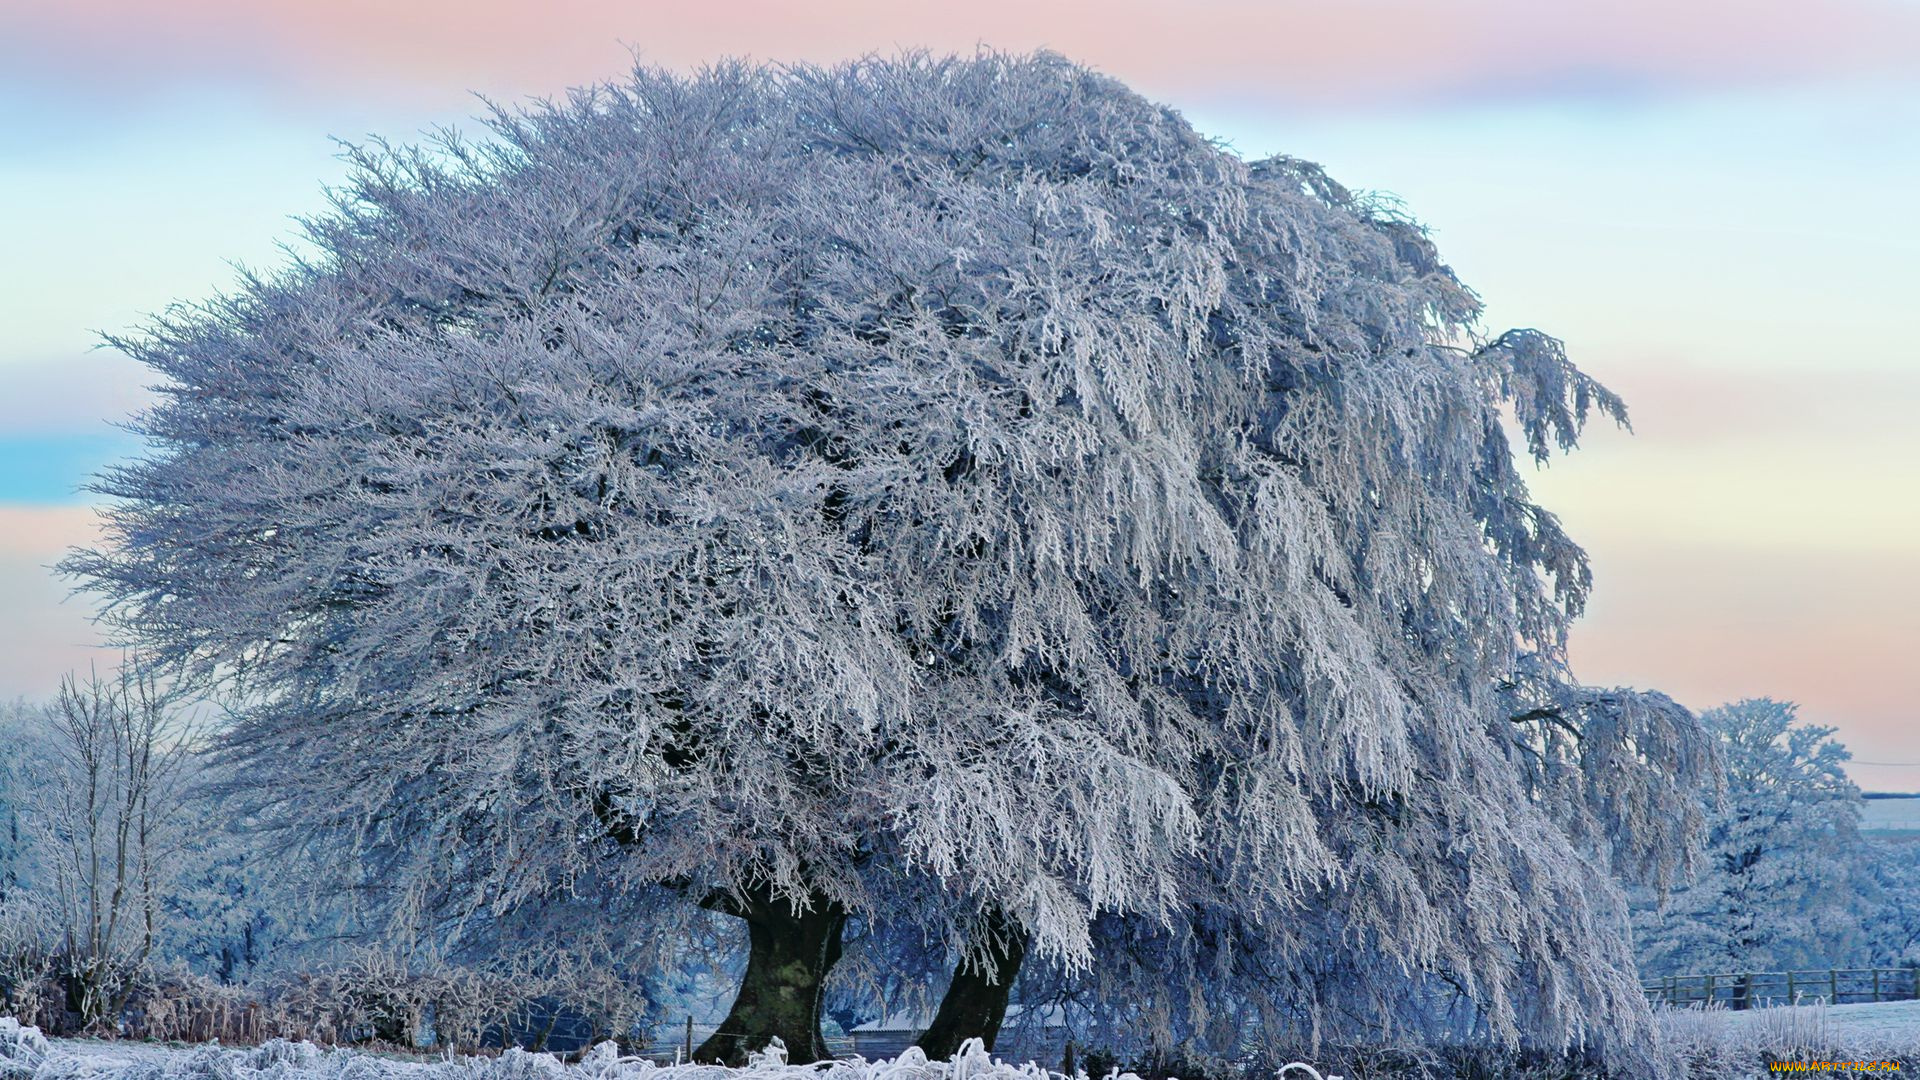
{"x":26,"y":1055}
{"x":1710,"y":1045}
{"x":1893,"y":818}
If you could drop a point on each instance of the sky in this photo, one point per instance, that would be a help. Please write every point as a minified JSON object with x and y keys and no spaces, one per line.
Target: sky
{"x":1710,"y":201}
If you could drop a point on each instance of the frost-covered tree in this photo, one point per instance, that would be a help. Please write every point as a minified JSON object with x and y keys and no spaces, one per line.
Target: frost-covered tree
{"x":1786,"y":879}
{"x":1235,"y":979}
{"x":948,"y":492}
{"x":226,"y":910}
{"x":17,"y":768}
{"x":26,"y":910}
{"x":1893,"y":927}
{"x":105,"y":821}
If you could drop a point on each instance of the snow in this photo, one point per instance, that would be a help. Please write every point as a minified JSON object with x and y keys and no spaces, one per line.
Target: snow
{"x":1890,"y":816}
{"x":26,"y":1055}
{"x":1715,"y":1042}
{"x":1880,"y":1021}
{"x":1720,"y":1042}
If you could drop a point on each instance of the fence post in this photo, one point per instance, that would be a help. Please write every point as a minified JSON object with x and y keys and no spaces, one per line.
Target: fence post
{"x":1706,"y":997}
{"x":1792,"y":998}
{"x":1833,"y":987}
{"x":1876,"y":986}
{"x":689,"y":1038}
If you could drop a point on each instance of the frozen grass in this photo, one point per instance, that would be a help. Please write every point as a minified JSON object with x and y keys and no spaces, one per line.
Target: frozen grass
{"x":1715,"y":1044}
{"x":26,"y":1055}
{"x":1702,"y":1045}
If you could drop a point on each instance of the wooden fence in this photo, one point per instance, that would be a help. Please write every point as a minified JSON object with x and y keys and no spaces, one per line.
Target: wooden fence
{"x":1754,"y":989}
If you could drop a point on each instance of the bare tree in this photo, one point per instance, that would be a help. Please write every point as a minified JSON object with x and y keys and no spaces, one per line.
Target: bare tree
{"x":108,"y":825}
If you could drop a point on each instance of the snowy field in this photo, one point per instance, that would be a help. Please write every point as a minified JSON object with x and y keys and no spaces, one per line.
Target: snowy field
{"x":1716,"y":1043}
{"x":1890,"y":816}
{"x":26,"y":1055}
{"x":1884,"y":1021}
{"x":1719,"y":1043}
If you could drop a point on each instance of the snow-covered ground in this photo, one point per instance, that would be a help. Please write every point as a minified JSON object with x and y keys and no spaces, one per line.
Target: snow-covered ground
{"x":26,"y":1055}
{"x":1887,"y":1021}
{"x":1718,"y":1042}
{"x":1897,"y":1021}
{"x":1890,"y":816}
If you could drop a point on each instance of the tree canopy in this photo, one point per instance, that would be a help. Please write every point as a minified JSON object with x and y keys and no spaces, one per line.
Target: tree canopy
{"x":951,"y":492}
{"x":1787,"y":881}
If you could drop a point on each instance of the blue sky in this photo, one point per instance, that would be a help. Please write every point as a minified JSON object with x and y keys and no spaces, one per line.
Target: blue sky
{"x":51,"y":469}
{"x":1711,"y":203}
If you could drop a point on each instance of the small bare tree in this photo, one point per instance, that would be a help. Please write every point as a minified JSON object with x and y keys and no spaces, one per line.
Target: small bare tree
{"x":108,"y":820}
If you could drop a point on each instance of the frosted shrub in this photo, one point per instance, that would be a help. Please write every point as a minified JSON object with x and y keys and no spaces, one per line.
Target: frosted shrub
{"x":1696,"y":1042}
{"x":371,"y":996}
{"x":27,"y":962}
{"x":280,"y":1054}
{"x":175,"y":1004}
{"x":1793,"y":1033}
{"x":375,"y":995}
{"x":302,"y":1061}
{"x":22,"y":1049}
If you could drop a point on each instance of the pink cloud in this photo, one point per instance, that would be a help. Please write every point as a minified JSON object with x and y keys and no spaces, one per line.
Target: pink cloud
{"x":79,"y":394}
{"x":1830,"y":629}
{"x":1677,"y":403}
{"x":44,"y":533}
{"x":45,"y":633}
{"x":1247,"y":51}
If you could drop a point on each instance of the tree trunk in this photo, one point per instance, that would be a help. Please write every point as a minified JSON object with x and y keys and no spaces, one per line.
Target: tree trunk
{"x":976,"y":1000}
{"x":789,"y":955}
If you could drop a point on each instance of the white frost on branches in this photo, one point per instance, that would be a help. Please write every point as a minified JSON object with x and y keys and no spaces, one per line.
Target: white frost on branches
{"x":1787,"y":880}
{"x":918,"y":484}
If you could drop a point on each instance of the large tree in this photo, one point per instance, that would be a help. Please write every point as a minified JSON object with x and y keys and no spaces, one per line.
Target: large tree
{"x":1787,"y":881}
{"x":938,"y":491}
